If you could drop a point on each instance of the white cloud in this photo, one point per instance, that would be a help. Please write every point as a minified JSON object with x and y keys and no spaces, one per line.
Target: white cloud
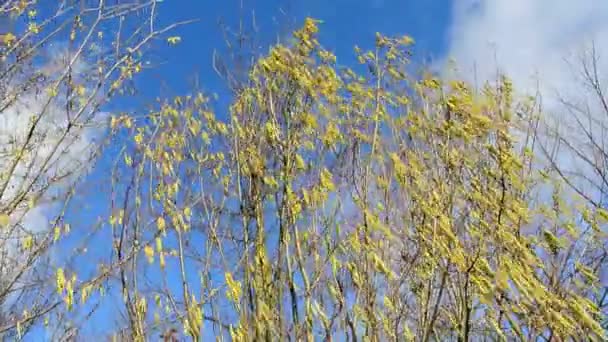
{"x":538,"y":44}
{"x":54,"y":157}
{"x":525,"y":38}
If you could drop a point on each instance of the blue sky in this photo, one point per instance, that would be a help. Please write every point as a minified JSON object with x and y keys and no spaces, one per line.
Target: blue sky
{"x":346,"y":24}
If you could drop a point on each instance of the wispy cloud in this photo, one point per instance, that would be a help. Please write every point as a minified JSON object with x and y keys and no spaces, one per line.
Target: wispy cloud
{"x":530,"y":40}
{"x":53,"y":161}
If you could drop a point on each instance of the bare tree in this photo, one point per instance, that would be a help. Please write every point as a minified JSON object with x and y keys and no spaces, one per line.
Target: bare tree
{"x":58,"y":71}
{"x":574,"y":143}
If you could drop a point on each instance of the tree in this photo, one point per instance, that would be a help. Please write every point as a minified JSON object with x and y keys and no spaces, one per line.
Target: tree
{"x":349,"y":204}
